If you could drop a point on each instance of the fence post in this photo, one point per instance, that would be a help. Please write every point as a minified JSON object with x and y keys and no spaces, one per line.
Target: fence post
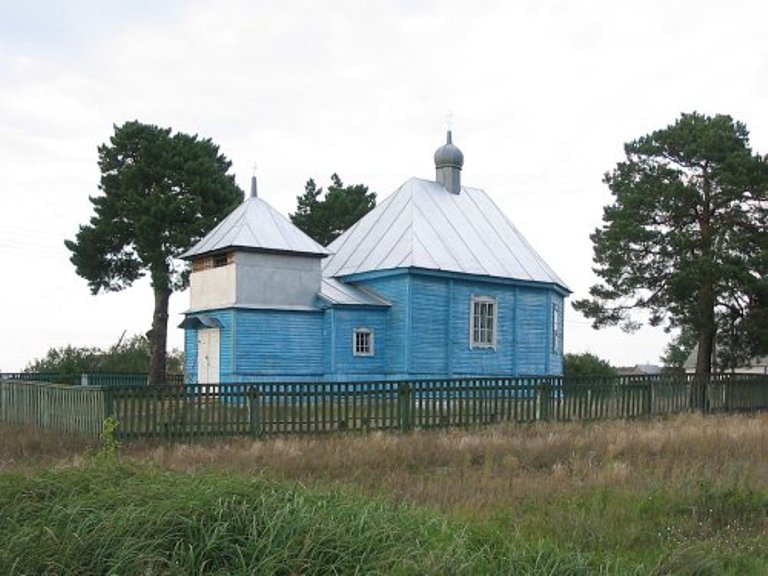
{"x":544,"y":401}
{"x":404,"y":403}
{"x":648,"y":408}
{"x":254,"y":413}
{"x":109,"y":401}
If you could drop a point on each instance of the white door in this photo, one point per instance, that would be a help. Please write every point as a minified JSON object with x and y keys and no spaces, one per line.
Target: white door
{"x":208,"y":356}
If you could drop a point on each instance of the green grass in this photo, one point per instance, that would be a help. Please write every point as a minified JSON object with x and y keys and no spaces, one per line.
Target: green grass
{"x":704,"y":530}
{"x":107,"y":518}
{"x":684,"y":496}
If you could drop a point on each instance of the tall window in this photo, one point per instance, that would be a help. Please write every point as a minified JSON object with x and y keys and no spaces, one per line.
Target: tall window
{"x":556,"y":324}
{"x":483,"y":322}
{"x":363,"y":342}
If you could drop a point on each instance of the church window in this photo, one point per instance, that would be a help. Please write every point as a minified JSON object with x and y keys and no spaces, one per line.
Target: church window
{"x":483,"y":315}
{"x":556,"y":326}
{"x":363,"y":342}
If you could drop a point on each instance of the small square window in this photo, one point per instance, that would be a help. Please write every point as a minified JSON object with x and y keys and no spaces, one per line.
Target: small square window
{"x":363,"y":342}
{"x":483,"y":322}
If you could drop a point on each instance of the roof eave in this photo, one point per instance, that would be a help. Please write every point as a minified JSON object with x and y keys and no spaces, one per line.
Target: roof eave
{"x":372,"y":274}
{"x":189,"y":255}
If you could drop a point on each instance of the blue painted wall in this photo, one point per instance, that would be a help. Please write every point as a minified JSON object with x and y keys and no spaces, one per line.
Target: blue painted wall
{"x":424,"y":334}
{"x":428,"y":326}
{"x":533,"y":322}
{"x":343,"y":322}
{"x":278,"y":342}
{"x":396,"y":289}
{"x":432,"y":334}
{"x":225,"y":317}
{"x":485,"y":361}
{"x":190,"y":355}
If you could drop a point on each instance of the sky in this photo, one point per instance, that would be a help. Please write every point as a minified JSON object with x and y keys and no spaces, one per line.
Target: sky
{"x":543,"y":96}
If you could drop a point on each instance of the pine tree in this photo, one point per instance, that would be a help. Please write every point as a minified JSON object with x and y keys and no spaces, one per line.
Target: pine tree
{"x":160,"y":193}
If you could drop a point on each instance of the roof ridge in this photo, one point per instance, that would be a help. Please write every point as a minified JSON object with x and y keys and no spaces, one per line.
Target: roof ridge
{"x":420,"y":225}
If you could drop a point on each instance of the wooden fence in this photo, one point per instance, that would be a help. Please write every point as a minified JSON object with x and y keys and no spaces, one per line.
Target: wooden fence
{"x":61,"y":407}
{"x":92,"y":378}
{"x":320,"y":407}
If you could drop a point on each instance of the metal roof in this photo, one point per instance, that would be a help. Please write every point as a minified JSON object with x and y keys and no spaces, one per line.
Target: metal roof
{"x":421,"y":225}
{"x":337,"y":293}
{"x":255,"y":225}
{"x":200,"y":321}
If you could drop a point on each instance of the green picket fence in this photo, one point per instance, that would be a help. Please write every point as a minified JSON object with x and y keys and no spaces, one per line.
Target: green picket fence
{"x":320,"y":407}
{"x":61,"y":407}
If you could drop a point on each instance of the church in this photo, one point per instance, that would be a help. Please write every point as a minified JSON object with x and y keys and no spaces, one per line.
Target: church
{"x":435,"y":282}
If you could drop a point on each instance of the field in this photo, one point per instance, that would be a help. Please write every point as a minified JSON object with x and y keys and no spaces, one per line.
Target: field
{"x":684,"y":495}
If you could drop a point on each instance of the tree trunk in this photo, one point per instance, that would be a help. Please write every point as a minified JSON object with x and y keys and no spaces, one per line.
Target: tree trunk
{"x":706,"y":303}
{"x":706,"y":345}
{"x":158,"y":338}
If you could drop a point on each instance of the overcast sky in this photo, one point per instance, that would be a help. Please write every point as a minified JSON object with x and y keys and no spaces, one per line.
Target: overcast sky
{"x":544,"y":95}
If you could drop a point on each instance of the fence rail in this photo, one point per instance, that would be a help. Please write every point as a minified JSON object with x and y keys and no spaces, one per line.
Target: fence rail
{"x":92,"y":378}
{"x":196,"y":410}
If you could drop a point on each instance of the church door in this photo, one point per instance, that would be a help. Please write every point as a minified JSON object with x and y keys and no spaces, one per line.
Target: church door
{"x":208,"y":356}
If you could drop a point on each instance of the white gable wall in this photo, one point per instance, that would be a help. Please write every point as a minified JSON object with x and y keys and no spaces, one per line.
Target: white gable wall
{"x":277,"y":280}
{"x":212,"y":288}
{"x":257,"y":279}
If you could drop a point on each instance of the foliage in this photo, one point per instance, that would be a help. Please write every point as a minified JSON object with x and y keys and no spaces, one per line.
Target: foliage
{"x":68,"y":360}
{"x":742,"y":334}
{"x":129,"y":355}
{"x":160,"y":194}
{"x":586,"y":365}
{"x":685,"y":238}
{"x":110,"y":445}
{"x":678,"y":350}
{"x":326,"y":219}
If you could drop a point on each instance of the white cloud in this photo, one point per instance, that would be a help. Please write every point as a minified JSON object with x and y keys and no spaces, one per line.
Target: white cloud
{"x":544,"y":93}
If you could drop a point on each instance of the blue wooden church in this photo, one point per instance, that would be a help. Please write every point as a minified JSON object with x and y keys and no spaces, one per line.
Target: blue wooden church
{"x":435,"y":282}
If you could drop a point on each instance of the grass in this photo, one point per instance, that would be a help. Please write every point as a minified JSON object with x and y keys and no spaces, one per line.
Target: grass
{"x":129,"y":519}
{"x":685,"y":495}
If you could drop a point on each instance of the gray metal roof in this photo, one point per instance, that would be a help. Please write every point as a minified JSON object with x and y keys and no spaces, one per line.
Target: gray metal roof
{"x":336,"y":292}
{"x":421,"y":225}
{"x":200,"y":321}
{"x":255,"y":225}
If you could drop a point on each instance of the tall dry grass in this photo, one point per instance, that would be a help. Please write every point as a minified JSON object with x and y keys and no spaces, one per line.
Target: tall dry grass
{"x":22,"y":446}
{"x":683,"y":495}
{"x":480,"y":470}
{"x":473,"y":469}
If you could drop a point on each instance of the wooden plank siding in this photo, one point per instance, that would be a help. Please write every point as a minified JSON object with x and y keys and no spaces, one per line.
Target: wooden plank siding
{"x":267,"y":343}
{"x":258,"y":409}
{"x":428,"y":332}
{"x":344,"y":323}
{"x":395,"y":289}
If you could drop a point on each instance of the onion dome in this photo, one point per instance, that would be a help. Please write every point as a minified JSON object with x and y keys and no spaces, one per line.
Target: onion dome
{"x":448,"y":163}
{"x":449,"y":155}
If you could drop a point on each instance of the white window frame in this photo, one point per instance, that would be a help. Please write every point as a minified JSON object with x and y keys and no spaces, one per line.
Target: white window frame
{"x":481,"y":342}
{"x":556,"y":326}
{"x":362,"y":332}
